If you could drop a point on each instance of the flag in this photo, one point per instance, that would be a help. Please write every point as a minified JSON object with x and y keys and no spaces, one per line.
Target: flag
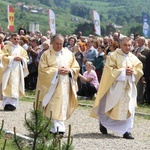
{"x":96,"y":21}
{"x":52,"y":21}
{"x":146,"y":25}
{"x":10,"y":18}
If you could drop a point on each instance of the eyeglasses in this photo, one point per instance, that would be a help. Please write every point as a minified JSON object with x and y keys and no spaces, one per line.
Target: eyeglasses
{"x":16,"y":39}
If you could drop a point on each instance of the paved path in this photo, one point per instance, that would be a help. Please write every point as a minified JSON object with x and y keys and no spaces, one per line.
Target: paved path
{"x":85,"y":130}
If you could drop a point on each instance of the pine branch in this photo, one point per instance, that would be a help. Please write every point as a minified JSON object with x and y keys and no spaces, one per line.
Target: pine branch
{"x":4,"y":144}
{"x":69,"y":134}
{"x":36,"y":119}
{"x":37,"y":101}
{"x":69,"y":143}
{"x":27,"y":124}
{"x":15,"y":139}
{"x":2,"y":126}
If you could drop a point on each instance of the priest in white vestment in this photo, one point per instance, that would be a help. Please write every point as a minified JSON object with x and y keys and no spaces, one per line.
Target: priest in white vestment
{"x":1,"y":71}
{"x":115,"y":103}
{"x":57,"y":75}
{"x":14,"y":70}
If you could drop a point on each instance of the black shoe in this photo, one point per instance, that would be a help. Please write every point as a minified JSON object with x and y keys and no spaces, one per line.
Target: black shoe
{"x":102,"y":129}
{"x":61,"y":134}
{"x":58,"y":135}
{"x":128,"y":135}
{"x":9,"y":107}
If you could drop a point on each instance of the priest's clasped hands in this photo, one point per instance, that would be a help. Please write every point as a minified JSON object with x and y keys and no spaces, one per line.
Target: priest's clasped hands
{"x":17,"y":58}
{"x":63,"y":70}
{"x":129,"y":70}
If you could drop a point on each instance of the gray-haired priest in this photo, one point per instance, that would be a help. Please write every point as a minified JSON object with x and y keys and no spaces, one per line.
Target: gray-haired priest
{"x":116,"y":98}
{"x":58,"y":72}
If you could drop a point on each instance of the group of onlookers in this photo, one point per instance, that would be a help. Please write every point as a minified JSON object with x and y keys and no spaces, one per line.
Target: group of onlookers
{"x":89,"y":51}
{"x":109,"y":67}
{"x":96,"y":49}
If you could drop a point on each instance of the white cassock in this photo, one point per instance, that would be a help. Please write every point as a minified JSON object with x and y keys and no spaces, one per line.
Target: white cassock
{"x":124,"y":92}
{"x":14,"y":74}
{"x":64,"y":80}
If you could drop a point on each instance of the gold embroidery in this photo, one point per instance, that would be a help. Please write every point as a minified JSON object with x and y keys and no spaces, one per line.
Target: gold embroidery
{"x":121,"y":111}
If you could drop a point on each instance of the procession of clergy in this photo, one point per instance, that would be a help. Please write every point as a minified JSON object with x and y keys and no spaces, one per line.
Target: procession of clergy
{"x":109,"y":68}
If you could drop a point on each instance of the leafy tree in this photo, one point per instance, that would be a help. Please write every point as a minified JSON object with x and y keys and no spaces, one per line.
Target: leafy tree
{"x":61,"y":3}
{"x":46,"y":2}
{"x":86,"y":28}
{"x":80,"y":10}
{"x":109,"y":28}
{"x":136,"y":29}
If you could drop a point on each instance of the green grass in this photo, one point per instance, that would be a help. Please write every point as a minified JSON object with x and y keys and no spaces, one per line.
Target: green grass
{"x":144,"y":109}
{"x":88,"y":102}
{"x":30,"y":96}
{"x":10,"y":145}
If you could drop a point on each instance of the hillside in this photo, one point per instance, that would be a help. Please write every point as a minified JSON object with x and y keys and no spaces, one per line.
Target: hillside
{"x":71,"y":14}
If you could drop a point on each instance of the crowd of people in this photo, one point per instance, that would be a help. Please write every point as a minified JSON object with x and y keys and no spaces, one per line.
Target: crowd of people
{"x":114,"y":69}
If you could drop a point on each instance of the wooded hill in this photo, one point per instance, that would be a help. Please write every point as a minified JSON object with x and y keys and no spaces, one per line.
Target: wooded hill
{"x":75,"y":15}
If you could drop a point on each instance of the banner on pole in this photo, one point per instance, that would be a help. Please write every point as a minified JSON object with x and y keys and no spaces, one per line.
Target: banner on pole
{"x":52,"y":24}
{"x":10,"y":18}
{"x":96,"y":21}
{"x":146,"y":25}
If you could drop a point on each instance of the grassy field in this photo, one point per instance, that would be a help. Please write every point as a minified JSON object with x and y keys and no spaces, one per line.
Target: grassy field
{"x":10,"y":145}
{"x":141,"y":109}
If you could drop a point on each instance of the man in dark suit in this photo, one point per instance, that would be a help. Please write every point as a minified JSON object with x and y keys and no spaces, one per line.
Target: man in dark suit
{"x":147,"y":78}
{"x":142,"y":52}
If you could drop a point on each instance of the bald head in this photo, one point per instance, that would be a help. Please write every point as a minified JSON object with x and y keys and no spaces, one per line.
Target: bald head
{"x":141,"y":41}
